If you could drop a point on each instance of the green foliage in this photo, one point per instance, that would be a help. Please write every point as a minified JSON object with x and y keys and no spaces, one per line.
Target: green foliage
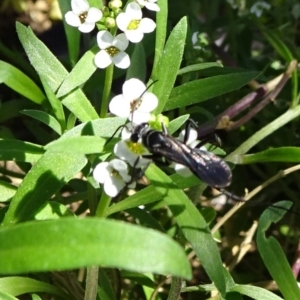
{"x":240,"y":78}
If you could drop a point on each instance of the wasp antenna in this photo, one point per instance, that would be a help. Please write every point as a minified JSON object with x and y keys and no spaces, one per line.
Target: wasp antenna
{"x":121,"y":126}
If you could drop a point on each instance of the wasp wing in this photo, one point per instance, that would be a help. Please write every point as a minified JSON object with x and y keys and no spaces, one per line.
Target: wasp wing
{"x":210,"y":168}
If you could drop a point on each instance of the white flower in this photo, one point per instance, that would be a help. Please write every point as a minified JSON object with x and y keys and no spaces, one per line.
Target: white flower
{"x":113,"y":175}
{"x":258,"y":8}
{"x":191,"y":142}
{"x":132,"y":153}
{"x":83,"y":16}
{"x":112,"y":50}
{"x":195,"y":40}
{"x":132,"y":24}
{"x":150,"y":4}
{"x":135,"y":103}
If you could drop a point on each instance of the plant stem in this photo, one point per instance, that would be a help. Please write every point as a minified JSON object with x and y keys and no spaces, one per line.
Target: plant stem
{"x":175,"y":290}
{"x":91,"y":283}
{"x":106,"y":91}
{"x":103,"y":205}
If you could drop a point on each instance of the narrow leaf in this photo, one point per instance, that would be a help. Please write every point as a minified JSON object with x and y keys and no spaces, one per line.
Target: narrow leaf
{"x":20,"y":151}
{"x":282,"y":154}
{"x":7,"y":191}
{"x":56,"y":105}
{"x":21,"y":285}
{"x":255,"y":292}
{"x":44,"y":118}
{"x":192,"y":224}
{"x":88,"y":242}
{"x":20,"y":83}
{"x":80,"y":144}
{"x":198,"y":67}
{"x":54,"y":73}
{"x":273,"y":255}
{"x":45,"y":178}
{"x":204,"y":89}
{"x":169,"y":63}
{"x":82,"y":71}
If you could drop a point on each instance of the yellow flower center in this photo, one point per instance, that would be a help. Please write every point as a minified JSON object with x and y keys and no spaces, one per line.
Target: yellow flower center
{"x":133,"y":25}
{"x":136,"y":148}
{"x":112,"y":51}
{"x":83,"y":16}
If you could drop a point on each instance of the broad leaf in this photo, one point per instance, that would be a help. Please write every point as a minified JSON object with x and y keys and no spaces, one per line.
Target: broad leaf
{"x":71,"y":243}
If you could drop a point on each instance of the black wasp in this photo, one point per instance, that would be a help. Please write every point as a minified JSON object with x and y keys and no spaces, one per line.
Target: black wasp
{"x":210,"y":168}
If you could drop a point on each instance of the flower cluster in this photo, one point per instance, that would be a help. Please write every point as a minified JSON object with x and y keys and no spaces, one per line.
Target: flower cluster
{"x":130,"y":21}
{"x":135,"y":104}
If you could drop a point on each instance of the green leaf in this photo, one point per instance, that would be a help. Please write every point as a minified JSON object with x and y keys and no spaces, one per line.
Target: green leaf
{"x":88,"y":242}
{"x":272,"y":253}
{"x":44,"y":179}
{"x":44,"y":118}
{"x":282,"y":154}
{"x":21,"y":285}
{"x":79,"y":144}
{"x":20,"y":151}
{"x":143,"y":197}
{"x":7,"y":191}
{"x":160,"y":36}
{"x":53,"y":210}
{"x":255,"y":292}
{"x":278,"y":45}
{"x":169,"y":63}
{"x":101,"y":127}
{"x":56,"y":105}
{"x":105,"y":290}
{"x":5,"y":296}
{"x":54,"y":73}
{"x":137,"y":68}
{"x":198,"y":67}
{"x":20,"y":83}
{"x":204,"y":89}
{"x":192,"y":224}
{"x":175,"y":124}
{"x":82,"y":71}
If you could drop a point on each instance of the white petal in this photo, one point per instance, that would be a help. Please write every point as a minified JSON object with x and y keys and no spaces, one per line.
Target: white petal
{"x":126,"y":132}
{"x":86,"y":27}
{"x":113,"y":186}
{"x":121,"y":42}
{"x":139,"y":117}
{"x":152,"y":6}
{"x":80,"y":6}
{"x":101,"y":172}
{"x":147,"y":25}
{"x":134,"y":36}
{"x":94,"y":15}
{"x":149,"y":102}
{"x":193,"y":135}
{"x":122,"y":151}
{"x":121,"y":60}
{"x":119,"y":106}
{"x":102,"y":59}
{"x":123,"y":21}
{"x":195,"y":37}
{"x":133,"y":89}
{"x":119,"y":165}
{"x":104,"y":39}
{"x":134,"y":11}
{"x":72,"y":19}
